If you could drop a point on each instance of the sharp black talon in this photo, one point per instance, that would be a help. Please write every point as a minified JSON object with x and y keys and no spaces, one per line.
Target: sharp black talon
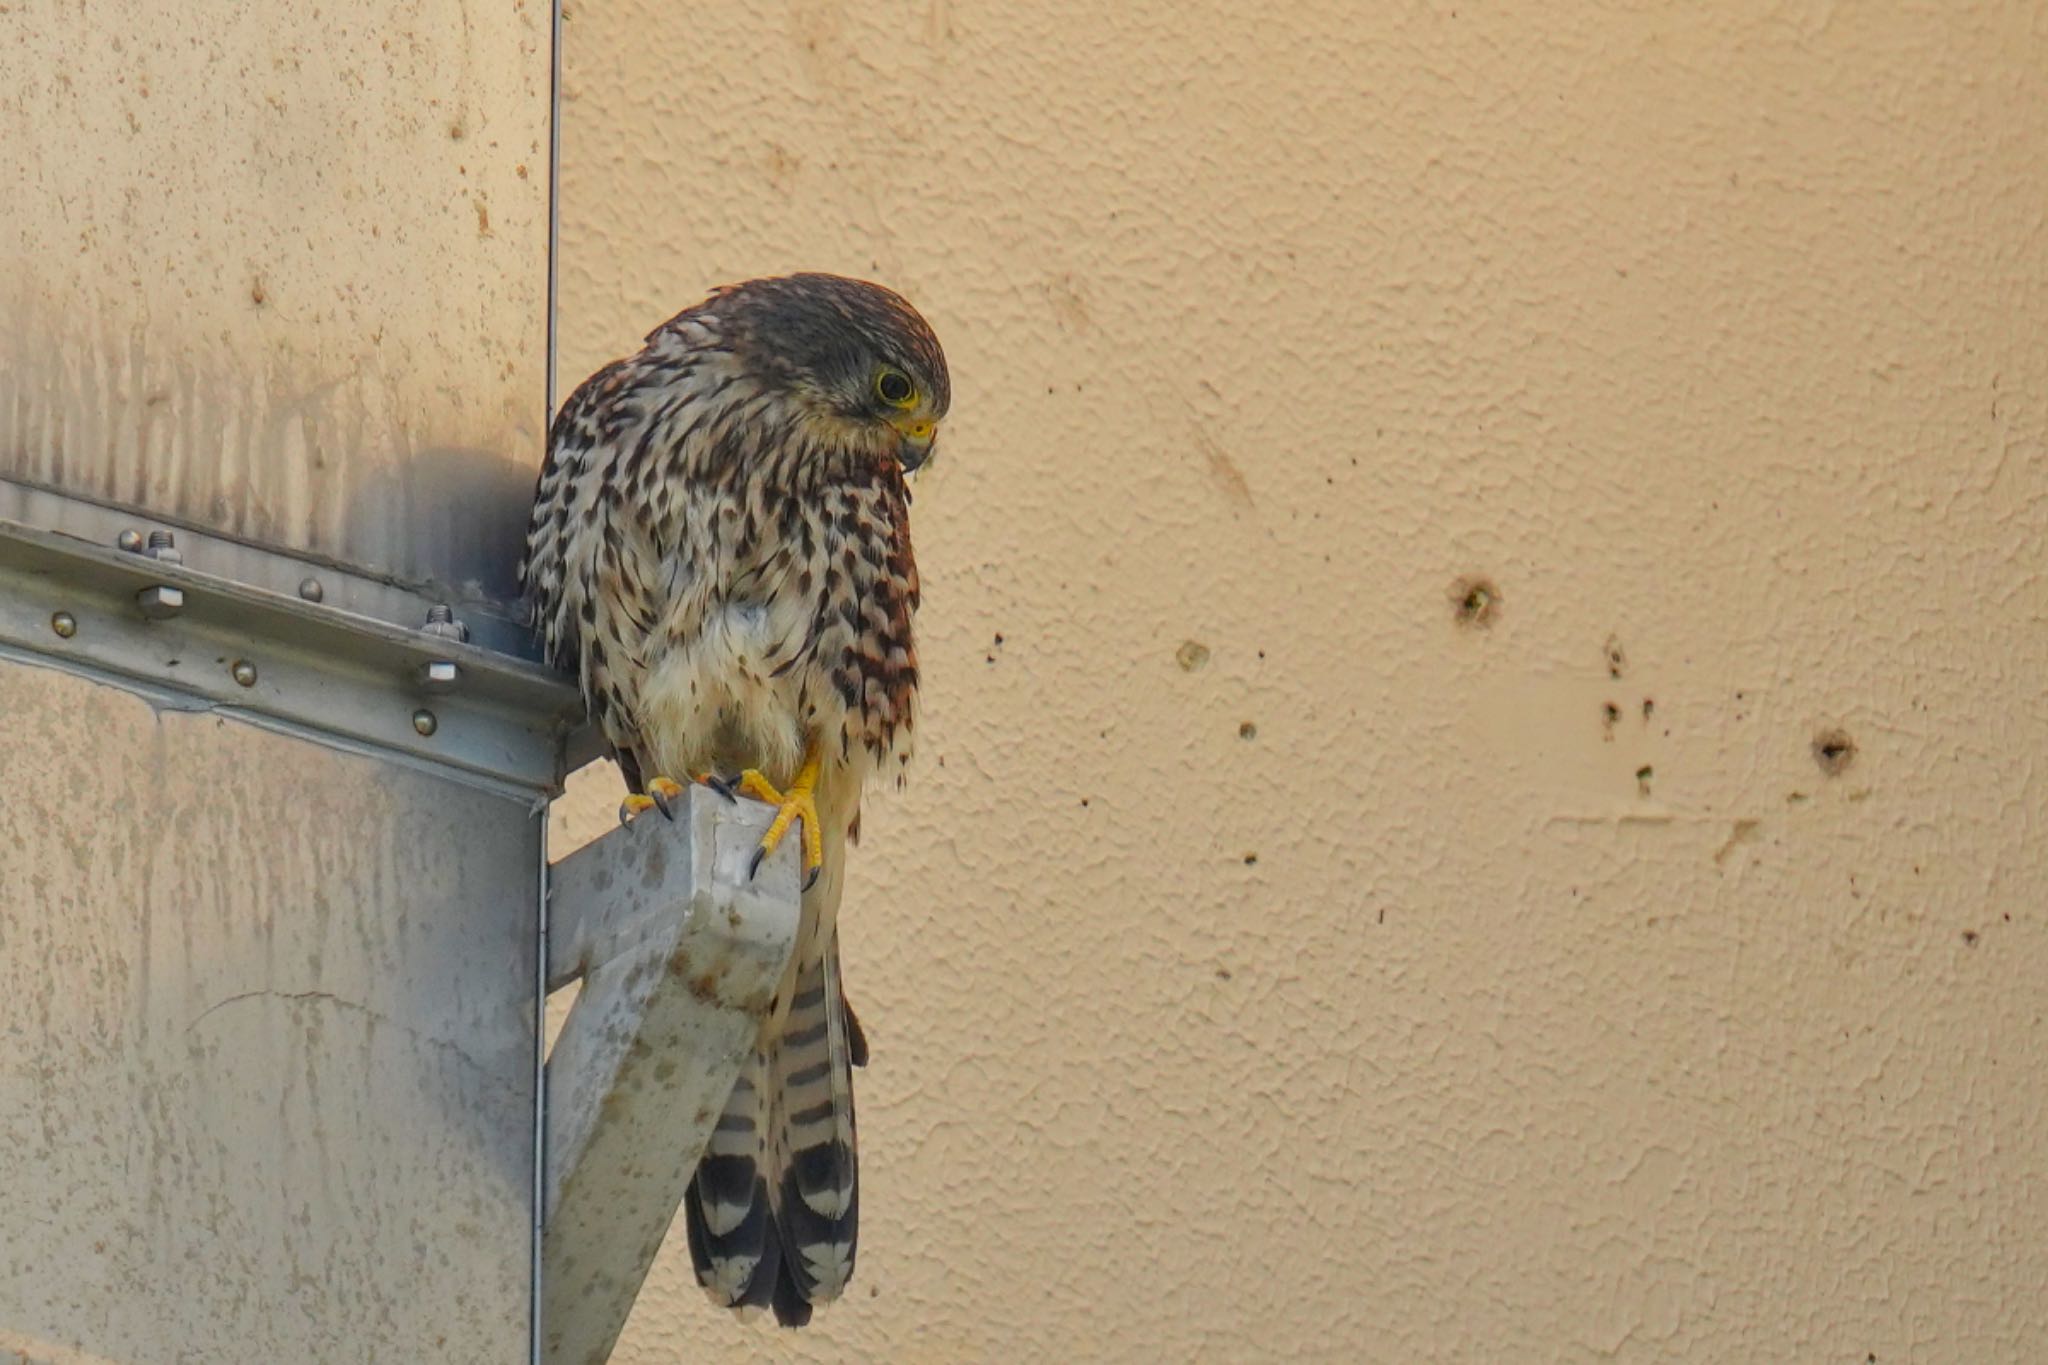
{"x":755,"y":866}
{"x":727,"y":787}
{"x":662,"y":804}
{"x":812,"y":880}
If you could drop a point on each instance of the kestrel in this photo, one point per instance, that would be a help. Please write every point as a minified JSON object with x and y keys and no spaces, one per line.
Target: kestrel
{"x":720,"y":551}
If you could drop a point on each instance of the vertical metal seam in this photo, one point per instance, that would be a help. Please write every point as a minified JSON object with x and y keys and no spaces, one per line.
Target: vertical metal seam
{"x":540,"y":1093}
{"x":554,"y":200}
{"x":540,"y":956}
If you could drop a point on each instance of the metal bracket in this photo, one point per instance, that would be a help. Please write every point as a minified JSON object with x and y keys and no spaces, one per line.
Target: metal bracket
{"x":679,"y":954}
{"x":265,"y":654}
{"x":259,"y":566}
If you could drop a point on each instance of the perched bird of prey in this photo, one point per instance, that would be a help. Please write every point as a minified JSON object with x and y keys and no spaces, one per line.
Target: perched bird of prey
{"x":720,"y":550}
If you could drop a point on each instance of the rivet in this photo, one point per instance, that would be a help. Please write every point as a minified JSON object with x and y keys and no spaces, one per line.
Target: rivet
{"x":244,"y":672}
{"x":310,"y":589}
{"x":129,"y":540}
{"x":423,"y":721}
{"x":65,"y":624}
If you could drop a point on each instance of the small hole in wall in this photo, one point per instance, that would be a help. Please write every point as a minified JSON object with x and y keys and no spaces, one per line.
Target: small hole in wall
{"x":1834,"y":751}
{"x":1476,"y":601}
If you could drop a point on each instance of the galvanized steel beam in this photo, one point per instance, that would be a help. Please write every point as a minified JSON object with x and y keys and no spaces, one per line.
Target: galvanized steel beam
{"x":318,"y":581}
{"x":678,"y":953}
{"x":146,"y":616}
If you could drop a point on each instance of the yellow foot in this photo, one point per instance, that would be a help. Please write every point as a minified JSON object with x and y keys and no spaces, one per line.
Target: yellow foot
{"x":795,"y":804}
{"x":661,"y":795}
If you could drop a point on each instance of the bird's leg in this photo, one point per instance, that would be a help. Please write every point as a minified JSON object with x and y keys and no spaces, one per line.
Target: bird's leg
{"x":798,"y":803}
{"x":661,"y":794}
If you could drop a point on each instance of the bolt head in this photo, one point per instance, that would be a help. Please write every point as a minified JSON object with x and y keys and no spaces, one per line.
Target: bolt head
{"x":65,"y":624}
{"x":244,"y":672}
{"x":440,"y":675}
{"x":310,"y":589}
{"x":129,"y":540}
{"x":425,"y":721}
{"x":160,"y":601}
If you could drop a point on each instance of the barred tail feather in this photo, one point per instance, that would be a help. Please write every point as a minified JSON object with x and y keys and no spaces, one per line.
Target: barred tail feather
{"x":816,"y":1180}
{"x":773,"y":1209}
{"x":727,"y":1213}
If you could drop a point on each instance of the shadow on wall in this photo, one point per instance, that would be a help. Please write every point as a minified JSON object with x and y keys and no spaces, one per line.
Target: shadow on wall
{"x":466,"y":509}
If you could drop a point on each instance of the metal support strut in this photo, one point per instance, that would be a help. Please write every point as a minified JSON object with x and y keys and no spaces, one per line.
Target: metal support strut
{"x":679,"y":954}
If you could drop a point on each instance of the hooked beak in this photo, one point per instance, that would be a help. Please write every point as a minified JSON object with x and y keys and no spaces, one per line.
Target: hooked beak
{"x":916,"y":446}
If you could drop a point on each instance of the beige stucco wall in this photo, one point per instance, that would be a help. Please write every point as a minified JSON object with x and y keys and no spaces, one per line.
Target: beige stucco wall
{"x":1264,"y":965}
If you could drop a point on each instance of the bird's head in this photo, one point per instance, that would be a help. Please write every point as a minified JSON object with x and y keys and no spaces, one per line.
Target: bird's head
{"x":858,"y":361}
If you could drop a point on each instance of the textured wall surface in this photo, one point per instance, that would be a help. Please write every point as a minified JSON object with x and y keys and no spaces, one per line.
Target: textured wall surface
{"x":1268,"y":962}
{"x":278,"y":268}
{"x":265,"y":1075}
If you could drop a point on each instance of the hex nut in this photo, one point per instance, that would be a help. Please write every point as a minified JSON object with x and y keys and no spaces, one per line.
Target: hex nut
{"x":161,"y":601}
{"x":439,"y":675}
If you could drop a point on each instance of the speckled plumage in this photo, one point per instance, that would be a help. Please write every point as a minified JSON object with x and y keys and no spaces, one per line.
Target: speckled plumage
{"x":720,"y":550}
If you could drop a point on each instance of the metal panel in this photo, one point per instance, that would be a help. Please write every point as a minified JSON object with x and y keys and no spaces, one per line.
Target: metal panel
{"x":278,"y":270}
{"x":266,"y":1042}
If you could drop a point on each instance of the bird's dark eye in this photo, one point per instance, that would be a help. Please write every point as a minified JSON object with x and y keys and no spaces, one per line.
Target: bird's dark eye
{"x":894,"y":388}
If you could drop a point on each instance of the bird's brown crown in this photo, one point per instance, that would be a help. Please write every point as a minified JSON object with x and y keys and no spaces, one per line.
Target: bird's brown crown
{"x":837,"y":336}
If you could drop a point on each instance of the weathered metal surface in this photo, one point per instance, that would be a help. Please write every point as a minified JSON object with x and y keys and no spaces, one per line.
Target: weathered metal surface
{"x":678,"y":952}
{"x":278,"y":270}
{"x":309,"y":580}
{"x":277,"y":656}
{"x":266,"y":1023}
